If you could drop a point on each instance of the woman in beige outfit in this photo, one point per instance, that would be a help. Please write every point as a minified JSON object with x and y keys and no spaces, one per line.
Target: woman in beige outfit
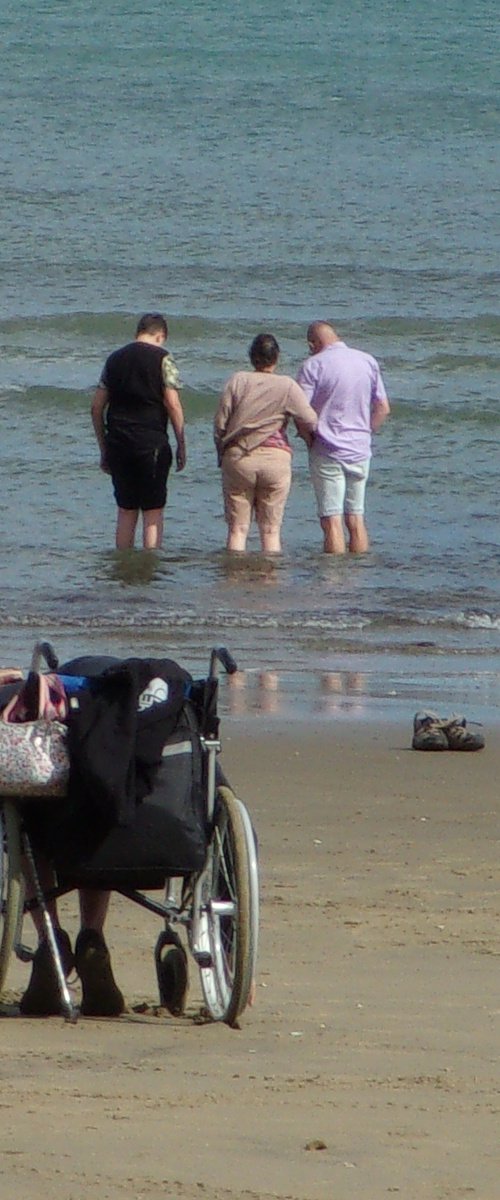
{"x":252,"y":445}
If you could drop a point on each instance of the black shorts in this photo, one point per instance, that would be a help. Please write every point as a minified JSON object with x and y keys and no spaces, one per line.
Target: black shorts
{"x":140,"y":475}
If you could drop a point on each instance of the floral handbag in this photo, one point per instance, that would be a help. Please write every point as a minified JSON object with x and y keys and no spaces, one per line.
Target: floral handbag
{"x":34,"y":758}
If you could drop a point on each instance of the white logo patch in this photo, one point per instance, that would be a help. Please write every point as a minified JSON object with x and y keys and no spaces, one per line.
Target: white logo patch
{"x":156,"y":692}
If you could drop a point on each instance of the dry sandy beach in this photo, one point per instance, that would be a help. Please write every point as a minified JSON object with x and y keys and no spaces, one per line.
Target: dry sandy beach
{"x":369,"y":1065}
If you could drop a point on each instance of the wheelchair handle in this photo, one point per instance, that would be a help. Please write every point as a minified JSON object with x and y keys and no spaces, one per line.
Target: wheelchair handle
{"x":221,"y":655}
{"x":44,"y":651}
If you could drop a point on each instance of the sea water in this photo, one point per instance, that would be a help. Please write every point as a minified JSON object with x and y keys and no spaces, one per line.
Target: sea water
{"x":248,"y":167}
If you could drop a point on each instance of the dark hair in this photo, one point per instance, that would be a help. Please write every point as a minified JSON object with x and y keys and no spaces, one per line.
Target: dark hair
{"x":264,"y":351}
{"x":152,"y":323}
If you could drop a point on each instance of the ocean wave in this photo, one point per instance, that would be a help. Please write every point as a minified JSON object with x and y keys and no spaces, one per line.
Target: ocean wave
{"x":463,"y":619}
{"x":187,"y":619}
{"x":306,"y":622}
{"x":199,"y":402}
{"x":113,"y":327}
{"x":477,"y":620}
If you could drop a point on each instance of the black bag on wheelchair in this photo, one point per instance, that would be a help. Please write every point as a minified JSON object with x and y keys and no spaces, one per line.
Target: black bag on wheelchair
{"x":136,"y":802}
{"x":167,"y":834}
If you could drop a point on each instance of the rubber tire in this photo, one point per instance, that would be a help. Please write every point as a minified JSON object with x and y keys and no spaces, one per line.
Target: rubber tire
{"x":173,"y":980}
{"x":11,"y":884}
{"x":227,"y":983}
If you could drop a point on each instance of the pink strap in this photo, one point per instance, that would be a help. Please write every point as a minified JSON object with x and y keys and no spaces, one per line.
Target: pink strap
{"x":52,"y":703}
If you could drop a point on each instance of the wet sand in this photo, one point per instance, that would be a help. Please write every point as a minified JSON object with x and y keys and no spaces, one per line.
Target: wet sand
{"x":369,"y":1065}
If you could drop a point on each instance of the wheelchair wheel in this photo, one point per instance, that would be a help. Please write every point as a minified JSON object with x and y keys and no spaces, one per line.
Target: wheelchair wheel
{"x":231,"y":911}
{"x":11,"y":884}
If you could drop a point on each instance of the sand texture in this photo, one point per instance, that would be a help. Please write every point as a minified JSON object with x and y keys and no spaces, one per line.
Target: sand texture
{"x":369,"y":1065}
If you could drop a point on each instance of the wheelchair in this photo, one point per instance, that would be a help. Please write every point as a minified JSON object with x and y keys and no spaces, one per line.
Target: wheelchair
{"x":192,"y":841}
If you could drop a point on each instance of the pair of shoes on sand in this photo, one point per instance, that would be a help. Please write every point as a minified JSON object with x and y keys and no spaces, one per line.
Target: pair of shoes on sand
{"x":431,"y":732}
{"x":100,"y":995}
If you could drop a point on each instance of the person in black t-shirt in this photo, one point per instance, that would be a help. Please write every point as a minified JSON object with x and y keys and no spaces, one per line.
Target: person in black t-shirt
{"x":136,"y":397}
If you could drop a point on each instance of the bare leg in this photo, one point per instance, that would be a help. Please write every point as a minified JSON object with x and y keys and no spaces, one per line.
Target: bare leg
{"x":237,"y":537}
{"x":152,"y":528}
{"x":93,"y":908}
{"x":358,"y":536}
{"x":270,"y":538}
{"x":333,"y":535}
{"x":125,"y":528}
{"x":93,"y":904}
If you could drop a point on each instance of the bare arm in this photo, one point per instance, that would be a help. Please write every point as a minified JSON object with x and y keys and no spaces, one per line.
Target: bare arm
{"x":304,"y":431}
{"x":98,"y":408}
{"x":306,"y":379}
{"x":176,"y":417}
{"x":221,"y":419}
{"x":379,"y":414}
{"x":304,"y":416}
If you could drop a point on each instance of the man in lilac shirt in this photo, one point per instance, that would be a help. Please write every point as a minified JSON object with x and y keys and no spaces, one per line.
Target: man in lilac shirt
{"x":345,"y":388}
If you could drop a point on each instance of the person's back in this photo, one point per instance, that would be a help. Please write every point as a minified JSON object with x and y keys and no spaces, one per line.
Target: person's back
{"x":259,"y":407}
{"x":134,"y":381}
{"x":344,"y":384}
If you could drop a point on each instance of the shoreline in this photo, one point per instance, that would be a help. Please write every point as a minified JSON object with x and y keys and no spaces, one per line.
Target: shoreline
{"x":287,"y":679}
{"x":361,"y":689}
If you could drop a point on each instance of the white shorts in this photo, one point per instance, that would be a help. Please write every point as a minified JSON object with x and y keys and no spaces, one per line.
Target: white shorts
{"x":339,"y":487}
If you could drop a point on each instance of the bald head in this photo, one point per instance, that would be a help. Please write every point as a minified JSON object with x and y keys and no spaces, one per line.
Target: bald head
{"x":319,"y":335}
